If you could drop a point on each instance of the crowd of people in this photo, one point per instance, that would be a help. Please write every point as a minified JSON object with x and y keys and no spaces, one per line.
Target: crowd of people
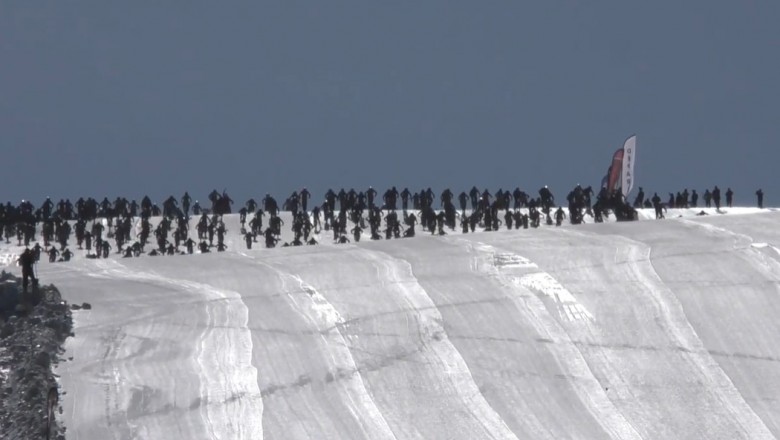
{"x":686,"y":200}
{"x":347,"y":215}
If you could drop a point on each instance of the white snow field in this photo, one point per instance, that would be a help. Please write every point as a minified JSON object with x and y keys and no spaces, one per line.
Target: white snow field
{"x":664,"y":329}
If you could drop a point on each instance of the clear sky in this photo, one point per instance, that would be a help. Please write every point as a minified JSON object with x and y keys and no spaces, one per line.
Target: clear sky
{"x":131,"y":98}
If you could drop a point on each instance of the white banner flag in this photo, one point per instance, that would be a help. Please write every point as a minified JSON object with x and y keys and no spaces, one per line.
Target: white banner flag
{"x":629,"y":156}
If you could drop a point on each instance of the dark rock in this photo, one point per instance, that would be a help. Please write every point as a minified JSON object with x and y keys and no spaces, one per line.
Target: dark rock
{"x":43,"y":359}
{"x":6,"y":331}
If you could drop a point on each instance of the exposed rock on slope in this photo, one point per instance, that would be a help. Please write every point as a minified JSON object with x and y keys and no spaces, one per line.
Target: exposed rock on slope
{"x":33,"y":328}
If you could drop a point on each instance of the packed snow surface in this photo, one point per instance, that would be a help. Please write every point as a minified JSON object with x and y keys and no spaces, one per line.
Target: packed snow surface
{"x":650,"y":329}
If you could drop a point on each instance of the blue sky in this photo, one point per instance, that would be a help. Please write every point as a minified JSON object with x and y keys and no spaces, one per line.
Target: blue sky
{"x":104,"y":99}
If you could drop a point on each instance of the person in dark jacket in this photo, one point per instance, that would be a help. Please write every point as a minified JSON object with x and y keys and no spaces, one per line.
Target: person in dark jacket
{"x":27,"y":262}
{"x":716,"y":197}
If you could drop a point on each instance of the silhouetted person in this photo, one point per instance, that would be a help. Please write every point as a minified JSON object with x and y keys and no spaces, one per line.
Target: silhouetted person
{"x":405,"y":194}
{"x":729,"y":197}
{"x":716,"y":197}
{"x":305,"y":195}
{"x":189,"y":244}
{"x":270,"y":238}
{"x":105,"y":248}
{"x":547,"y":198}
{"x":659,"y":213}
{"x":27,"y":261}
{"x":185,"y":203}
{"x":559,"y":216}
{"x":760,"y":196}
{"x":640,"y":198}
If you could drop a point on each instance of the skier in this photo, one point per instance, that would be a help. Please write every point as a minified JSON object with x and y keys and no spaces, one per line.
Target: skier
{"x":106,"y":248}
{"x":729,"y":197}
{"x":270,"y":238}
{"x":53,"y":252}
{"x":760,"y":196}
{"x":559,"y":216}
{"x":189,"y":244}
{"x":548,"y":200}
{"x":356,"y":231}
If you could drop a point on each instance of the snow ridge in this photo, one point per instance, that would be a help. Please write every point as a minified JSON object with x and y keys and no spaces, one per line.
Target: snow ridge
{"x":232,"y":404}
{"x":587,"y":387}
{"x":323,"y":316}
{"x":399,"y":276}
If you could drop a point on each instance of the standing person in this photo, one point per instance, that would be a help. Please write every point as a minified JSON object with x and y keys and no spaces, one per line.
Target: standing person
{"x":27,"y":261}
{"x":185,"y":203}
{"x":760,"y":196}
{"x":729,"y":197}
{"x":405,"y":194}
{"x":659,"y":212}
{"x":716,"y":197}
{"x":371,"y":194}
{"x":305,"y":195}
{"x":640,"y":198}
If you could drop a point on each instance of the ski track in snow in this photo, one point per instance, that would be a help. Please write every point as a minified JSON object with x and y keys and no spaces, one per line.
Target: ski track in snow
{"x":323,"y":316}
{"x":232,"y":405}
{"x":588,"y":389}
{"x":398,"y":275}
{"x":535,"y":279}
{"x":717,"y":380}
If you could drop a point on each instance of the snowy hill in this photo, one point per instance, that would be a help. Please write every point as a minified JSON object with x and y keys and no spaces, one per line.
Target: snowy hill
{"x":650,"y":329}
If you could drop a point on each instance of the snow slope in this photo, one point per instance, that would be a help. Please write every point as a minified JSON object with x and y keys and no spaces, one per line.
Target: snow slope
{"x":650,"y":329}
